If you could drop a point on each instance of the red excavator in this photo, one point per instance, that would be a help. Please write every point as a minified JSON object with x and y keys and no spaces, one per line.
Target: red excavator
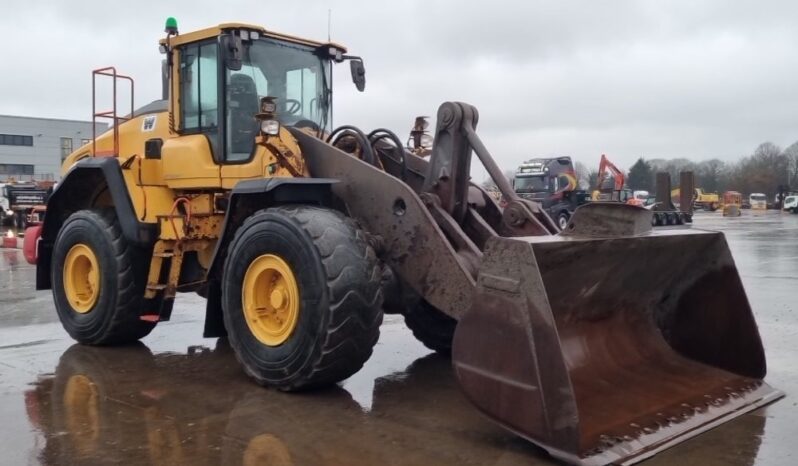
{"x":613,"y":190}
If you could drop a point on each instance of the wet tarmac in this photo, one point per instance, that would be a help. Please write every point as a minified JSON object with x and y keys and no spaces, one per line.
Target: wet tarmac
{"x":181,"y":399}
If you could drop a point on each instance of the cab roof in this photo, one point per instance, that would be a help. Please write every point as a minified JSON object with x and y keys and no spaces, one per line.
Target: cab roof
{"x":214,"y":31}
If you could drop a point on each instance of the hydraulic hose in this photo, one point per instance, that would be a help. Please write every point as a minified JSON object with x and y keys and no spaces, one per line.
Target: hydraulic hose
{"x":382,"y":133}
{"x":360,"y":136}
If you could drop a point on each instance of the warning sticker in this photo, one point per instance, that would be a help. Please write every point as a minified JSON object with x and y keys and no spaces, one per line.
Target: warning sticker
{"x":149,"y":123}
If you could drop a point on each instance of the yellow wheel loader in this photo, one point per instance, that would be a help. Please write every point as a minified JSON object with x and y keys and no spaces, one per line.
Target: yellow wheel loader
{"x":604,"y":342}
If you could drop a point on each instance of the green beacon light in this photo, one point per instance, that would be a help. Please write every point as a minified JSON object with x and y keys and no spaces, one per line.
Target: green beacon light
{"x":171,"y":26}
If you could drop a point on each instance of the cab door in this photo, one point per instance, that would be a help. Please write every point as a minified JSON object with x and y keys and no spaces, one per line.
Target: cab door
{"x":190,"y":160}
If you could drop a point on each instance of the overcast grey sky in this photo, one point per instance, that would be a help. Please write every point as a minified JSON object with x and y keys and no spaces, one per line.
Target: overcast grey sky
{"x":695,"y":79}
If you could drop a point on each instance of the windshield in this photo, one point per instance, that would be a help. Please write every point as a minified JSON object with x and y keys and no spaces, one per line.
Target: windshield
{"x":758,"y":197}
{"x":292,"y":73}
{"x":531,"y":184}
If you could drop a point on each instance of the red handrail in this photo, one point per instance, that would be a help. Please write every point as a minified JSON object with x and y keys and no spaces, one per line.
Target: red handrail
{"x":110,"y":114}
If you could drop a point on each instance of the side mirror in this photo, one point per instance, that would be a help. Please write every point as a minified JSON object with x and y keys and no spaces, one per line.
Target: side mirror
{"x":232,"y":51}
{"x":358,"y":74}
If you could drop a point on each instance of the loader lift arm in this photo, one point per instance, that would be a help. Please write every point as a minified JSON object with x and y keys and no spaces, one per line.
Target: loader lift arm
{"x":443,"y":217}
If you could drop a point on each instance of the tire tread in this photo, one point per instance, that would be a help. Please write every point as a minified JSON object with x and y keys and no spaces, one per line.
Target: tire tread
{"x":355,"y":304}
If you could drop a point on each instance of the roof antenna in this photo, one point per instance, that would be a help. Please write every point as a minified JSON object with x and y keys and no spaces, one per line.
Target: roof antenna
{"x":329,"y":21}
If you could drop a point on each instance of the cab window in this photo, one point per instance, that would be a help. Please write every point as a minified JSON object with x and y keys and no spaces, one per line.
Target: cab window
{"x":199,"y":87}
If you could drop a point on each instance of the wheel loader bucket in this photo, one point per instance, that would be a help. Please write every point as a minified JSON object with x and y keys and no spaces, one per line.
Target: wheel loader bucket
{"x":607,"y":350}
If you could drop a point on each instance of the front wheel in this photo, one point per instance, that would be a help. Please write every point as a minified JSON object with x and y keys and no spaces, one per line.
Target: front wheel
{"x":98,"y":280}
{"x":302,"y":297}
{"x":562,"y":220}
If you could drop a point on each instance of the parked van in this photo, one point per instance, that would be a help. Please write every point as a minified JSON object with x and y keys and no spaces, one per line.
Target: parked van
{"x":791,"y":203}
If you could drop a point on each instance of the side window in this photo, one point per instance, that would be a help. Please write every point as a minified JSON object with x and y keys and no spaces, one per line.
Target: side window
{"x":199,"y":87}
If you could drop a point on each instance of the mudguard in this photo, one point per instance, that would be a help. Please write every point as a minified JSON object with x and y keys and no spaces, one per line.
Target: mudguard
{"x":75,"y":192}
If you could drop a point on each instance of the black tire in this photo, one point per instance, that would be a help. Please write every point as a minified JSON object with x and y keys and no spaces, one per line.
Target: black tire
{"x":340,"y":305}
{"x":670,"y":218}
{"x":431,"y":326}
{"x":114,"y":318}
{"x":562,"y":220}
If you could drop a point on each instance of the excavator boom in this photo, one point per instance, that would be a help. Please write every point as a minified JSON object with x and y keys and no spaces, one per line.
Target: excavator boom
{"x":617,"y":175}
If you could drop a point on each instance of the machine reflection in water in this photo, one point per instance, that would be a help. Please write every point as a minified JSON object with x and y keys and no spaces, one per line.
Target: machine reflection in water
{"x":127,"y":405}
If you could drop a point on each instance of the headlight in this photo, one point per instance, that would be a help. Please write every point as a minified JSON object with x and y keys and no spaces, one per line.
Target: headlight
{"x":271,"y":127}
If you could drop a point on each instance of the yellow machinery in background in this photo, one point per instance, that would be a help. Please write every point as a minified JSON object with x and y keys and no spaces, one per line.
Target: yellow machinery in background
{"x":706,"y":201}
{"x":732,"y":204}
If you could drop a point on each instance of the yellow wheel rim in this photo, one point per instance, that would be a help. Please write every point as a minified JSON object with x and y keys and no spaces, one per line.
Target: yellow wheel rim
{"x":270,"y":298}
{"x":81,"y":278}
{"x":266,"y":449}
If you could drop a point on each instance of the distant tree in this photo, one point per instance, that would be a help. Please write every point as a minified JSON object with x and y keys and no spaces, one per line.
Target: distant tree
{"x":761,"y":172}
{"x":582,"y":175}
{"x":710,"y":175}
{"x":767,"y":151}
{"x":672,"y":166}
{"x":641,"y":176}
{"x":592,"y":178}
{"x":490,"y":185}
{"x":791,"y":156}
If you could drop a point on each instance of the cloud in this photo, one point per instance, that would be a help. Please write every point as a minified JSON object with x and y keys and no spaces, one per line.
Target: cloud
{"x":696,"y":79}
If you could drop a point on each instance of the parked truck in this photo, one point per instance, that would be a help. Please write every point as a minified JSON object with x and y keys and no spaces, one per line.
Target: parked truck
{"x":758,"y":201}
{"x":551,"y":182}
{"x":21,"y":200}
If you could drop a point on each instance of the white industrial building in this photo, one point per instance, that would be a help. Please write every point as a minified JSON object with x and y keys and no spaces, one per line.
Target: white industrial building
{"x":33,"y":148}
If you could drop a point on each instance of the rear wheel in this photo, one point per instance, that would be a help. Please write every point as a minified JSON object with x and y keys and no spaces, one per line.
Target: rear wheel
{"x":301,"y":296}
{"x":431,"y":326}
{"x":98,"y":280}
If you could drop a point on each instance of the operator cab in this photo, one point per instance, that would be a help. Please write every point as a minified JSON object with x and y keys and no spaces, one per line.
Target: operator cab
{"x":224,"y":75}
